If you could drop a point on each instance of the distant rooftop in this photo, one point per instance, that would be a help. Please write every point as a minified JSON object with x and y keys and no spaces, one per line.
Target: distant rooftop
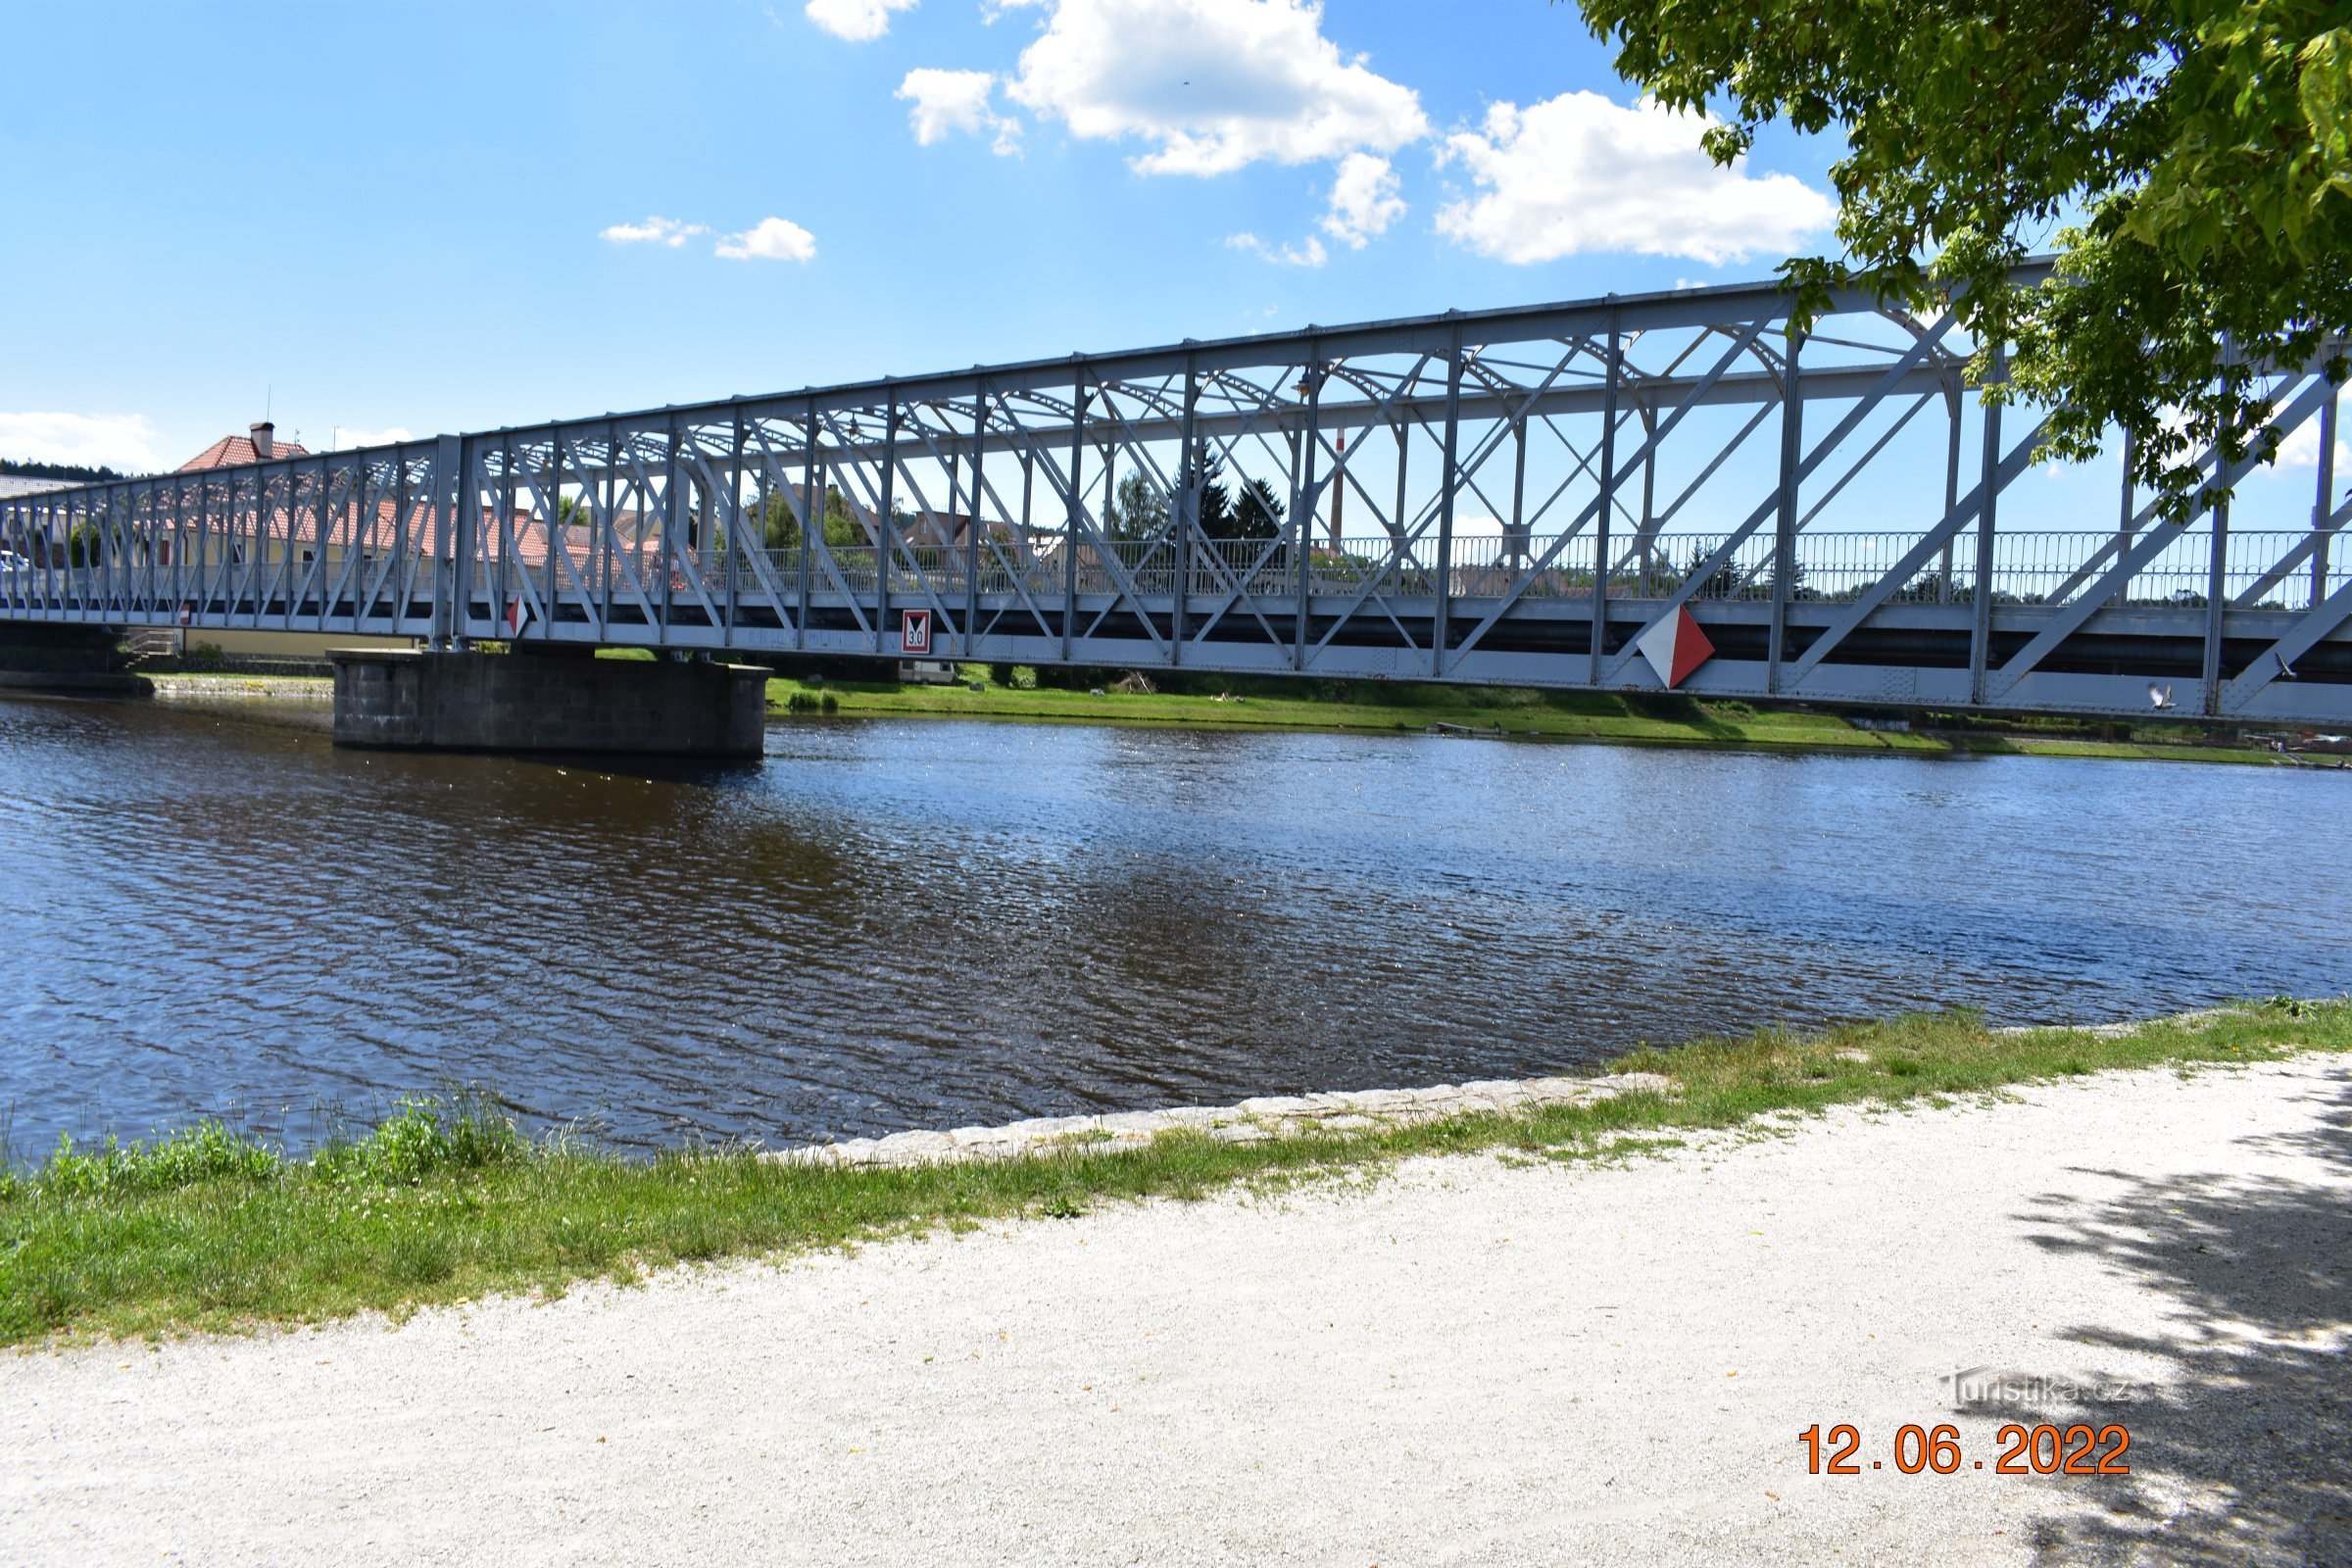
{"x":237,"y":450}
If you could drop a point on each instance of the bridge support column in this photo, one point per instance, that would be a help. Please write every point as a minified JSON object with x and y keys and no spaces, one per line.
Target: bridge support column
{"x":532,"y":701}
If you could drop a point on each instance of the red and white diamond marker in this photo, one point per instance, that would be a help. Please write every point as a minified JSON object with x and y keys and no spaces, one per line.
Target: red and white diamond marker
{"x":1675,"y":646}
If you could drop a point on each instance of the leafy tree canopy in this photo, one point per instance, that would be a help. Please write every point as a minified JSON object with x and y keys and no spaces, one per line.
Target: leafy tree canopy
{"x":782,"y":529}
{"x":1137,"y":510}
{"x":2198,"y":154}
{"x":1256,"y":514}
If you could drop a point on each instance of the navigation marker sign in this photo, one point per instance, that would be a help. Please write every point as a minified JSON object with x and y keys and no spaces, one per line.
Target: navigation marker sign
{"x":915,"y":633}
{"x":1675,"y":646}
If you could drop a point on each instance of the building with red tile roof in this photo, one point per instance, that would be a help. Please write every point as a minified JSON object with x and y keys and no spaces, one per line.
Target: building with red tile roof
{"x":237,"y":450}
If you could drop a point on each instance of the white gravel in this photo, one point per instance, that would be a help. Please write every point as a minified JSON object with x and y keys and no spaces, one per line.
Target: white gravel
{"x":1469,"y":1362}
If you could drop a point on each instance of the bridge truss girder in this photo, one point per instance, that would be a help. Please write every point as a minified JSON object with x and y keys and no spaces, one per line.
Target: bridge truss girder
{"x":1499,"y":465}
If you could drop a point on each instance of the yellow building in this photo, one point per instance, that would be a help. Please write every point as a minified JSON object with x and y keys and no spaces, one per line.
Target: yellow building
{"x":238,"y":451}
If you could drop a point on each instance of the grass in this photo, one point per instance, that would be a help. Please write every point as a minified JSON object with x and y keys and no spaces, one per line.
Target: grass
{"x":447,"y":1201}
{"x":1390,"y":709}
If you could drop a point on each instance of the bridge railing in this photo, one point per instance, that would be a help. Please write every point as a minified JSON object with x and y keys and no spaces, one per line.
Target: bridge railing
{"x":2263,"y":569}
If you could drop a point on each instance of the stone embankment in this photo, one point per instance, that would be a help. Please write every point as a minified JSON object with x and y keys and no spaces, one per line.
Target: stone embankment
{"x":297,"y":688}
{"x":1251,"y":1121}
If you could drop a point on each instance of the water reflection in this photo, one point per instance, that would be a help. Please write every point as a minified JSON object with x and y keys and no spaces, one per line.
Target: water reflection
{"x":895,"y":924}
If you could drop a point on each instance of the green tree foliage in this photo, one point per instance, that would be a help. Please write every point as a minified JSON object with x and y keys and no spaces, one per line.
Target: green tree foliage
{"x":80,"y":473}
{"x":782,"y":528}
{"x":1256,"y":513}
{"x":1137,"y":510}
{"x":2197,"y":153}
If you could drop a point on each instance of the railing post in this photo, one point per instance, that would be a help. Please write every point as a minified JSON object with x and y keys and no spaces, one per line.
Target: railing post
{"x":2323,"y":507}
{"x":1979,"y":640}
{"x":674,"y":518}
{"x":887,"y":534}
{"x":1188,"y":513}
{"x":1302,"y":501}
{"x":556,"y":531}
{"x":513,"y":573}
{"x":224,"y":581}
{"x":1608,"y":502}
{"x":735,"y":542}
{"x":2216,"y":601}
{"x":812,"y":525}
{"x":1647,"y":550}
{"x":607,"y":533}
{"x":2127,"y":509}
{"x":1443,"y":603}
{"x":1518,"y":548}
{"x":449,"y":535}
{"x":1784,"y":531}
{"x":1404,"y":445}
{"x":1069,"y":522}
{"x":971,"y":537}
{"x":204,"y":545}
{"x":1956,"y":401}
{"x":402,"y":595}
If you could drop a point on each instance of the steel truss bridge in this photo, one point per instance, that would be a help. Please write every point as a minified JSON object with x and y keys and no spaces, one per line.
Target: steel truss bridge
{"x":1513,"y":496}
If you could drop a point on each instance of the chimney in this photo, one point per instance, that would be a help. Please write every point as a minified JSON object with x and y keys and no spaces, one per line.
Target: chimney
{"x":265,"y":445}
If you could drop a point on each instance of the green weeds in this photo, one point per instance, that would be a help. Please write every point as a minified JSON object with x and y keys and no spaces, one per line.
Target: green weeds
{"x":205,"y":1151}
{"x":460,"y":1131}
{"x":446,"y":1200}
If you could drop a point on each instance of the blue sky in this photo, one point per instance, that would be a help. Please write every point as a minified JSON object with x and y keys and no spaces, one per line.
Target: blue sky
{"x":442,"y":216}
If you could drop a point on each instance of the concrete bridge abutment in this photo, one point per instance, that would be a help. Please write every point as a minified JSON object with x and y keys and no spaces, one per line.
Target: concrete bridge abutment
{"x":67,"y":661}
{"x":529,"y":701}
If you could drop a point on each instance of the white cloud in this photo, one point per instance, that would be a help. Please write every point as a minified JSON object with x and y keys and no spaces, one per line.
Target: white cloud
{"x":1363,"y":200}
{"x":346,"y":438}
{"x":1211,"y":85}
{"x":652,"y":231}
{"x":2300,"y":449}
{"x":771,"y":239}
{"x":1309,"y":254}
{"x":858,"y":21}
{"x":949,"y":102}
{"x":1579,"y":173}
{"x":100,"y":440}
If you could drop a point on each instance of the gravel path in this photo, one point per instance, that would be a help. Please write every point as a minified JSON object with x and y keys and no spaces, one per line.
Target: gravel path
{"x":1468,"y":1362}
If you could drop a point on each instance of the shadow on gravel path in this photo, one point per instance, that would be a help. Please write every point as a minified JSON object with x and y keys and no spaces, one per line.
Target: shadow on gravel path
{"x":2242,"y":1452}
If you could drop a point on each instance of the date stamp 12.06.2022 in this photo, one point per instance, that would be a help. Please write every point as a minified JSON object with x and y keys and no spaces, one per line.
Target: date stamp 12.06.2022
{"x":2044,"y":1449}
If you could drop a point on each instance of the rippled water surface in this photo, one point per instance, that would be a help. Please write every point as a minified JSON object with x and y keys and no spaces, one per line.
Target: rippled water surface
{"x":934,"y":923}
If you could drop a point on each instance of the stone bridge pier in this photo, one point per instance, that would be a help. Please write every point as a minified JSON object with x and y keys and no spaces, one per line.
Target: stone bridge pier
{"x":552,"y":701}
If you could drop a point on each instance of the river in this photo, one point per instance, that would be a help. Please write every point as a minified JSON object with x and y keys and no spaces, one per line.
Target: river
{"x":934,"y":923}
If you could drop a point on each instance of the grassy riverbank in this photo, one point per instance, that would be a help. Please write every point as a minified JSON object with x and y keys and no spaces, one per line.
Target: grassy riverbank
{"x":446,"y":1201}
{"x":1401,"y":709}
{"x":1390,"y":708}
